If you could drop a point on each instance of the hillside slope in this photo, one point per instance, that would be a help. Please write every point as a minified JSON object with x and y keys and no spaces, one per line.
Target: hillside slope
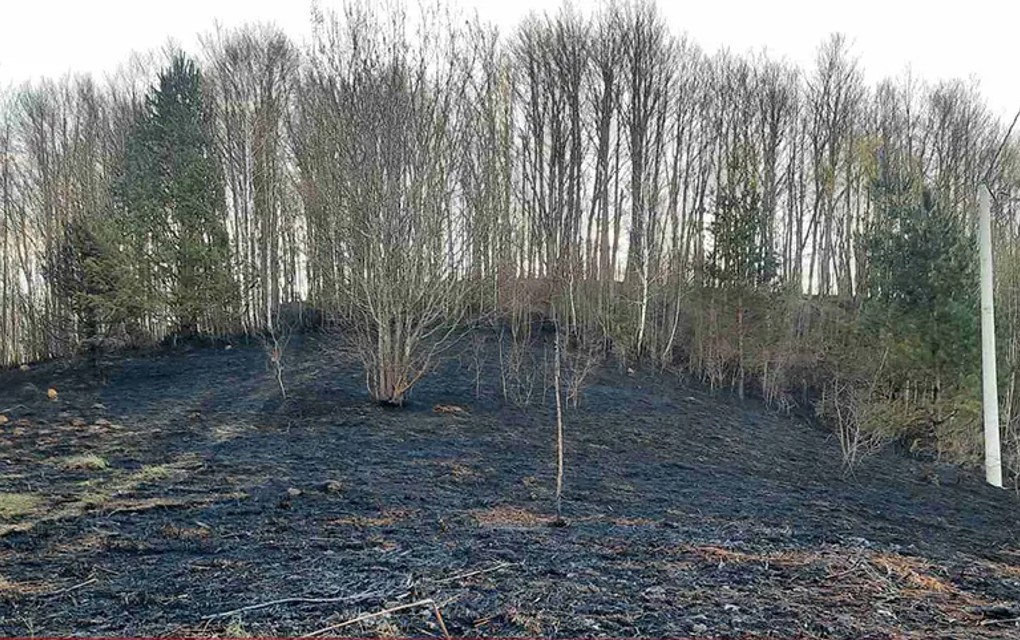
{"x":689,"y":513}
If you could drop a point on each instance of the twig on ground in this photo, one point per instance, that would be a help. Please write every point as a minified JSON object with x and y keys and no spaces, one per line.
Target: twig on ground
{"x":461,"y":576}
{"x":262,"y":605}
{"x":852,"y":568}
{"x":439,"y":619}
{"x":369,"y":616}
{"x":988,"y":623}
{"x":71,"y":588}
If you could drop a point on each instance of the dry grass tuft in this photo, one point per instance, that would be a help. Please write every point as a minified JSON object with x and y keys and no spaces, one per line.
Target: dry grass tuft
{"x":1002,"y":568}
{"x":83,"y":462}
{"x":8,"y":588}
{"x":236,"y":629}
{"x":384,"y":627}
{"x":385,"y":518}
{"x":88,"y":543}
{"x":912,"y":571}
{"x":509,"y":516}
{"x":450,"y":409}
{"x":13,"y":505}
{"x":175,"y":532}
{"x":382,"y":544}
{"x":93,"y":500}
{"x":107,"y":493}
{"x":153,"y":473}
{"x":224,"y":432}
{"x":632,"y":522}
{"x":720,"y":555}
{"x":144,"y":504}
{"x":531,"y":623}
{"x":459,"y":471}
{"x":111,"y":504}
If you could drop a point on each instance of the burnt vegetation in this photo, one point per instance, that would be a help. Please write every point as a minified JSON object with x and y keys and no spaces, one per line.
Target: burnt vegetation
{"x":577,"y":329}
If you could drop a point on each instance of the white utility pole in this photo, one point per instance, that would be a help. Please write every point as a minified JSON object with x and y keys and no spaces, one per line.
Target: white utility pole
{"x":990,"y":388}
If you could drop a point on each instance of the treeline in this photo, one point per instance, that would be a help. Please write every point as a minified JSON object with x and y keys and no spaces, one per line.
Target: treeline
{"x":791,"y":232}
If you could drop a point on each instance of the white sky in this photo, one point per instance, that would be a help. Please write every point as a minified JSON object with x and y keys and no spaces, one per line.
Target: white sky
{"x":934,"y":39}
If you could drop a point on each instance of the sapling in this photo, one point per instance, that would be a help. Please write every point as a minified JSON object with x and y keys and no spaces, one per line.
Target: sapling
{"x":275,"y":340}
{"x":559,"y":424}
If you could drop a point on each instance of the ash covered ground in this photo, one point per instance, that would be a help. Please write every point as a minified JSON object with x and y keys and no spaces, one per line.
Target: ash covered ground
{"x":182,"y":496}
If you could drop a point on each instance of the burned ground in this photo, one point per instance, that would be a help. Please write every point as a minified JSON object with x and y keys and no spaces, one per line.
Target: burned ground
{"x":182,"y":497}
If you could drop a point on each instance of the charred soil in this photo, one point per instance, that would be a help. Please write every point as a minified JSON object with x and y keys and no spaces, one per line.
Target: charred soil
{"x":181,"y":496}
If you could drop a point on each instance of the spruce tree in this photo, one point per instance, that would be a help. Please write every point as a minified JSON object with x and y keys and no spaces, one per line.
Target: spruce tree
{"x":171,"y":192}
{"x":742,"y":257}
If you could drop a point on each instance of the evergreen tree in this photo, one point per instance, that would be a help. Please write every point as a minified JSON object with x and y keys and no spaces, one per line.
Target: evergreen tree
{"x":742,"y":261}
{"x":922,"y":283}
{"x":171,"y":193}
{"x":742,"y":255}
{"x":77,"y":268}
{"x":93,"y":275}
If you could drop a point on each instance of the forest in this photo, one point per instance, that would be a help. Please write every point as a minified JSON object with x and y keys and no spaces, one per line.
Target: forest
{"x":792,"y":232}
{"x":485,"y":330}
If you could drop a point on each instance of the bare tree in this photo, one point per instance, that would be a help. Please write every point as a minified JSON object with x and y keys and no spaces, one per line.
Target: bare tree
{"x":253,"y":73}
{"x":558,"y":387}
{"x":394,"y":102}
{"x":405,"y":173}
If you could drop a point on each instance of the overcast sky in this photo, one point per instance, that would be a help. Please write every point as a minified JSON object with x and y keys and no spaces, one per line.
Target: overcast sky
{"x":52,"y":37}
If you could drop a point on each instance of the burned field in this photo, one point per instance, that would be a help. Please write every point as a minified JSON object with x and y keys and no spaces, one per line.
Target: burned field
{"x":183,"y":497}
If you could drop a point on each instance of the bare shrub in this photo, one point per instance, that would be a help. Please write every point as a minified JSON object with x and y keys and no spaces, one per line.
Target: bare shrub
{"x":479,"y":343}
{"x":398,"y":349}
{"x":580,"y":362}
{"x":519,"y":371}
{"x":523,"y":303}
{"x":583,"y":344}
{"x":275,"y":339}
{"x":394,"y":104}
{"x":1011,"y":449}
{"x":775,"y":381}
{"x":853,"y":412}
{"x":954,"y":424}
{"x":773,"y":376}
{"x":865,"y":415}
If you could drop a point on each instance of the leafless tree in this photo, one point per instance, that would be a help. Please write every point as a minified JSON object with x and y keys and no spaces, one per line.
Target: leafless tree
{"x":408,"y":171}
{"x":253,"y":74}
{"x":394,"y":129}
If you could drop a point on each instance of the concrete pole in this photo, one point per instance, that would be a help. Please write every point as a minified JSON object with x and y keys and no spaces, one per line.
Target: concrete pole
{"x":990,"y":388}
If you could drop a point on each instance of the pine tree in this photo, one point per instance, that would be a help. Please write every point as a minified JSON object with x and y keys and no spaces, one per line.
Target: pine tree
{"x":742,"y":261}
{"x":922,"y":283}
